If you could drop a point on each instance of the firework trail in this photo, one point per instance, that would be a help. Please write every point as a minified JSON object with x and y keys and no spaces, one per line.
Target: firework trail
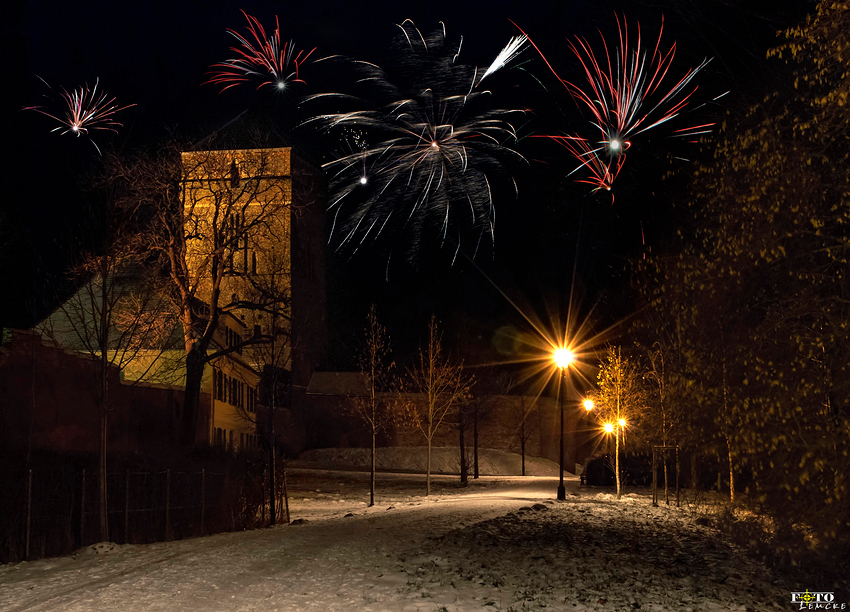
{"x":85,"y":109}
{"x":627,"y":92}
{"x":429,"y":151}
{"x":509,"y":53}
{"x":259,"y":56}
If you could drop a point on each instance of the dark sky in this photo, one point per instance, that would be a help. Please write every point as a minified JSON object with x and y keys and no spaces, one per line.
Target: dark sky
{"x":155,"y":54}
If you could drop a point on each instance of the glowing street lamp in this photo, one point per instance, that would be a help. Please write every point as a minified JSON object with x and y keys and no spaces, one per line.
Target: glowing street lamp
{"x":563,"y":358}
{"x":588,"y":404}
{"x":608,"y":427}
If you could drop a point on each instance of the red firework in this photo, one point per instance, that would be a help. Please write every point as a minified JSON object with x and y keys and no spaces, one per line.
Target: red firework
{"x":600,"y":173}
{"x":627,"y":92}
{"x":85,"y":109}
{"x":264,"y":57}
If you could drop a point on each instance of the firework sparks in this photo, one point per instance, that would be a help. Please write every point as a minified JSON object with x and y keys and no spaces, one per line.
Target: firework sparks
{"x":627,"y":92}
{"x":260,"y":56}
{"x":601,"y":173}
{"x":429,"y":152}
{"x":511,"y":51}
{"x":85,"y":109}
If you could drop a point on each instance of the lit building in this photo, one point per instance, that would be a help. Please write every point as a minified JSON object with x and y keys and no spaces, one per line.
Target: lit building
{"x":255,"y":240}
{"x":254,"y":229}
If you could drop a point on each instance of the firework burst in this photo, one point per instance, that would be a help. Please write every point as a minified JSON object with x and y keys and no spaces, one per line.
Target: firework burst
{"x":260,"y":57}
{"x":628,"y":90}
{"x":85,"y":109}
{"x":430,"y":150}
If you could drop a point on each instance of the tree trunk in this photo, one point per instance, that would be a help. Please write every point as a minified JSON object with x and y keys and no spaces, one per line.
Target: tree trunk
{"x":666,"y":492}
{"x":372,"y":476}
{"x":694,"y":471}
{"x":464,"y":469}
{"x":428,"y":470}
{"x":731,"y":475}
{"x":522,"y":444}
{"x":617,"y":461}
{"x":475,"y":441}
{"x":191,"y":399}
{"x":286,"y":517}
{"x":272,"y":484}
{"x":104,"y":391}
{"x":102,"y":499}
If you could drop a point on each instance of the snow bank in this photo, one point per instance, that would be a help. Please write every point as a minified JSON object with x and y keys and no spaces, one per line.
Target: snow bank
{"x":444,"y":460}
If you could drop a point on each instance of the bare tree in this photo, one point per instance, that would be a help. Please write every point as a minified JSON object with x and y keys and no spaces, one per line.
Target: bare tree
{"x":487,"y":387}
{"x":116,"y":316}
{"x":527,"y":427}
{"x":436,"y":387}
{"x":374,"y":409}
{"x":205,"y":210}
{"x":464,"y":418}
{"x":268,"y":301}
{"x":656,"y":375}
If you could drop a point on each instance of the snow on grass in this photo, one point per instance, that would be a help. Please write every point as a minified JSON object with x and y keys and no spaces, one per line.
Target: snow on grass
{"x":502,"y":543}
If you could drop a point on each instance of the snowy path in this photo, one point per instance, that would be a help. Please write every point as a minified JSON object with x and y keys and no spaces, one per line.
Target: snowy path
{"x":501,"y":544}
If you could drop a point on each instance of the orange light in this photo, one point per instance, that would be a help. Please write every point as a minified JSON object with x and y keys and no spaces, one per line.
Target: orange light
{"x":622,"y":422}
{"x":609,"y":427}
{"x":563,"y":358}
{"x":588,"y":404}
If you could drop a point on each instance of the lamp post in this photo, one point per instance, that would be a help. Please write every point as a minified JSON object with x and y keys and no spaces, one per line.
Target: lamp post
{"x":563,"y":358}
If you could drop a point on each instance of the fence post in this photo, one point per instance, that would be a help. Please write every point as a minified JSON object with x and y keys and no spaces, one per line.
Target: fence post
{"x":29,"y":514}
{"x":83,"y":511}
{"x":168,"y":504}
{"x":127,"y":507}
{"x":203,"y":497}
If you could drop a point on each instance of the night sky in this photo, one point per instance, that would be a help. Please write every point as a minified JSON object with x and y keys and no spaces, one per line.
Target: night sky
{"x":156,"y":55}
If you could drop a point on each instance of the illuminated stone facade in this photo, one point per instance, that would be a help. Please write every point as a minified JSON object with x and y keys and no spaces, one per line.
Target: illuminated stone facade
{"x":255,"y":243}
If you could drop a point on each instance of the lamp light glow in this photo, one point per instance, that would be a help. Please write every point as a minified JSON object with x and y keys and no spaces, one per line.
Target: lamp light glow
{"x":563,"y":358}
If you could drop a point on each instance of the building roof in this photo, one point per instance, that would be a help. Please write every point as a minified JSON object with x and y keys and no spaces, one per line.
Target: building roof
{"x":252,"y":129}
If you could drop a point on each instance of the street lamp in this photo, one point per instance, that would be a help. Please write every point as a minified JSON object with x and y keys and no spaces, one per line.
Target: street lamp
{"x":563,"y":358}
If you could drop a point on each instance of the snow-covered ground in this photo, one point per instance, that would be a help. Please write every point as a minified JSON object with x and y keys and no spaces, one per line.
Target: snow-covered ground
{"x":503,"y":543}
